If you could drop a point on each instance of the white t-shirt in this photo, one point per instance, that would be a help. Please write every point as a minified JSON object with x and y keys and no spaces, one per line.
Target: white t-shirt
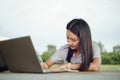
{"x":61,"y":54}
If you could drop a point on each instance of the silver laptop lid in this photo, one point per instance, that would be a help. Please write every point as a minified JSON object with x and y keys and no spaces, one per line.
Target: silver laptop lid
{"x":19,"y":55}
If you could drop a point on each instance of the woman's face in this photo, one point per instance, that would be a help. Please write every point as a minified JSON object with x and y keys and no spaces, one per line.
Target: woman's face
{"x":73,"y":40}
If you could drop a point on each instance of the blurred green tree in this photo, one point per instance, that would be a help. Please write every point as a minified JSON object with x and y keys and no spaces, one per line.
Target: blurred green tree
{"x":47,"y":54}
{"x":116,"y":49}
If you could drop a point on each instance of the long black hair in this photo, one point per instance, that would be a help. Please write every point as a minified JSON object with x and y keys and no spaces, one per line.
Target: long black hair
{"x":80,"y":28}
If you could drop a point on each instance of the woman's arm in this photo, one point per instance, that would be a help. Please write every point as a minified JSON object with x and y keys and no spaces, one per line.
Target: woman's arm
{"x":95,"y":65}
{"x":74,"y":66}
{"x":47,"y":64}
{"x":66,"y":66}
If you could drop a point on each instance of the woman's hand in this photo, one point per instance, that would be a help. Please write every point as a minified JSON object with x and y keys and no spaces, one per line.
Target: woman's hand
{"x":60,"y":67}
{"x":44,"y":65}
{"x":68,"y":66}
{"x":47,"y":64}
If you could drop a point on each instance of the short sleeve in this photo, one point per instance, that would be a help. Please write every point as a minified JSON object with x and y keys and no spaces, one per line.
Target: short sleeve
{"x":96,"y":51}
{"x":60,"y":55}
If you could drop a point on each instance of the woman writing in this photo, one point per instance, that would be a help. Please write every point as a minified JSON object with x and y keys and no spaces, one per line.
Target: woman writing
{"x":79,"y":54}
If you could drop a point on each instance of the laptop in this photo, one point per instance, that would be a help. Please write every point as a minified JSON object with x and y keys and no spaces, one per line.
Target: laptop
{"x":3,"y":66}
{"x":20,"y":56}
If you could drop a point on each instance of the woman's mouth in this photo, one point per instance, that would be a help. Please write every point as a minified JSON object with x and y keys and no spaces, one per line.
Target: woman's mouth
{"x":72,"y":47}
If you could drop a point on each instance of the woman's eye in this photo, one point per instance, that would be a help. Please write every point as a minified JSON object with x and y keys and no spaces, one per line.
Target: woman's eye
{"x":67,"y":38}
{"x":74,"y":40}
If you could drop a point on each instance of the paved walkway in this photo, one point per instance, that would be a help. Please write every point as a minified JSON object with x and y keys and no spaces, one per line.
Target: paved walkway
{"x":61,"y":76}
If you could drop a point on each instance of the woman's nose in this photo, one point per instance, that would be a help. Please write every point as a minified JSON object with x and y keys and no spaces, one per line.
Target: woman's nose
{"x":69,"y":42}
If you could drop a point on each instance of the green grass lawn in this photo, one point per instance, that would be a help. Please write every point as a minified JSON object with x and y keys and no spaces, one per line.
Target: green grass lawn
{"x":110,"y":68}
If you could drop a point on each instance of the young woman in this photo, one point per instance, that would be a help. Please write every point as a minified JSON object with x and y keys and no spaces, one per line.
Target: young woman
{"x":79,"y":54}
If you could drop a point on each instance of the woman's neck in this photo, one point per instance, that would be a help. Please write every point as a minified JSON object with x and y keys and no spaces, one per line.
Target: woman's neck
{"x":77,"y":53}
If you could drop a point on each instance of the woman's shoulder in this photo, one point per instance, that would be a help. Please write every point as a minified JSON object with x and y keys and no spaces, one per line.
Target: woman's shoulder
{"x":64,"y":47}
{"x":96,"y":50}
{"x":94,"y":45}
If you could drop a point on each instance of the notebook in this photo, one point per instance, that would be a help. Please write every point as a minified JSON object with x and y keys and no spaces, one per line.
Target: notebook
{"x":20,"y":56}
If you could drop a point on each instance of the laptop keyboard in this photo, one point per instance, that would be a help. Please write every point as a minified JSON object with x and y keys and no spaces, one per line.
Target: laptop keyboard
{"x":50,"y":70}
{"x":62,"y":70}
